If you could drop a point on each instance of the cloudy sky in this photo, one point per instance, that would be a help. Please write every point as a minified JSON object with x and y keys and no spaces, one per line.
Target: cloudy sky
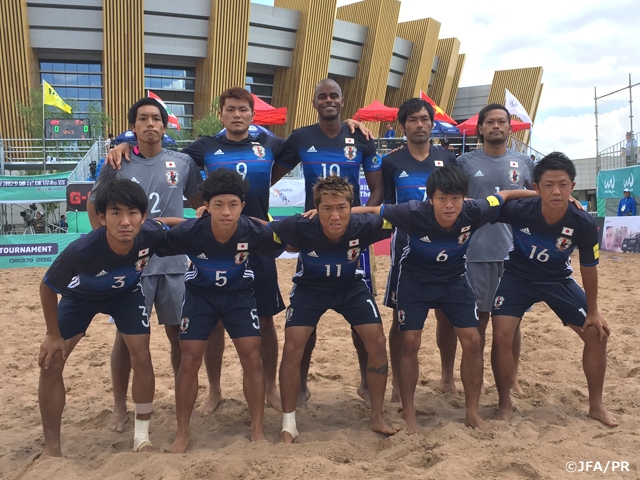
{"x":580,"y":44}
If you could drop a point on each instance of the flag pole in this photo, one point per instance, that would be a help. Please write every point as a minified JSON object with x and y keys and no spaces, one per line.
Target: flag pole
{"x":44,"y":150}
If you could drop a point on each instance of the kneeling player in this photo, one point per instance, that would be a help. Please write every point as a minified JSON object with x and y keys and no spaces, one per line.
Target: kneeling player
{"x":546,"y":230}
{"x":330,"y":246}
{"x":432,"y":276}
{"x":219,"y":286}
{"x":99,"y":273}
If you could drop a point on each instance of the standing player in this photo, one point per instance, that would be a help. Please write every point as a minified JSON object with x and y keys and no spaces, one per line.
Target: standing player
{"x":330,"y":246}
{"x":405,"y":173}
{"x":329,"y":148}
{"x":219,"y":285}
{"x":489,"y":169}
{"x":432,"y":276}
{"x":546,"y":230}
{"x":99,"y":273}
{"x":167,"y":177}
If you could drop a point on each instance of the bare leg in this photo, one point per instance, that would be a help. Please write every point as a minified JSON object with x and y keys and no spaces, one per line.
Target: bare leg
{"x":51,"y":399}
{"x":295,"y":346}
{"x":173,"y":332}
{"x":304,"y":394}
{"x":471,"y":371}
{"x":269,"y":357}
{"x":447,"y":343}
{"x":483,"y":318}
{"x":395,"y":349}
{"x":594,"y":363}
{"x":408,"y":376}
{"x":187,"y":390}
{"x":373,"y":339}
{"x":504,"y":328}
{"x":361,"y":351}
{"x":120,"y":371}
{"x":213,"y":363}
{"x":515,"y":351}
{"x":253,"y":382}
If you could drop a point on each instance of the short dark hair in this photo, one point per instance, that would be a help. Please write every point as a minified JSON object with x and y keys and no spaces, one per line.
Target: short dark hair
{"x":483,"y":115}
{"x":554,"y":161}
{"x":223,"y":181}
{"x":449,"y":180}
{"x":121,"y":192}
{"x":332,"y":185}
{"x":133,"y":111}
{"x":412,"y":106}
{"x":111,"y":135}
{"x":237,"y":93}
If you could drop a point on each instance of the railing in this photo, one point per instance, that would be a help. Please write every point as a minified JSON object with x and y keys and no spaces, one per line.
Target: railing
{"x":619,"y":156}
{"x":83,"y":168}
{"x":29,"y":154}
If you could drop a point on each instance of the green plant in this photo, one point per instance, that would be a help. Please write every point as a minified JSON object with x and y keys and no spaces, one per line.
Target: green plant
{"x":210,"y":124}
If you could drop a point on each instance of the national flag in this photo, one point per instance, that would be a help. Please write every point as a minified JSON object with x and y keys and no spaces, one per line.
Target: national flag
{"x":438,"y":163}
{"x":349,"y":141}
{"x":353,"y":243}
{"x":567,"y":231}
{"x":242,"y":246}
{"x":440,"y":115}
{"x":170,"y":164}
{"x":515,"y":107}
{"x":513,"y":164}
{"x":143,"y":252}
{"x":173,"y":120}
{"x":50,"y":97}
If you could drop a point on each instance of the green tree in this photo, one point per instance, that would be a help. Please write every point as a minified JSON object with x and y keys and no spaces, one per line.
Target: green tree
{"x":210,"y":124}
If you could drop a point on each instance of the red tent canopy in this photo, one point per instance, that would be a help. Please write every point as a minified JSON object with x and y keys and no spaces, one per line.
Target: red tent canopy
{"x":266,"y":114}
{"x":470,"y":127}
{"x":376,"y":112}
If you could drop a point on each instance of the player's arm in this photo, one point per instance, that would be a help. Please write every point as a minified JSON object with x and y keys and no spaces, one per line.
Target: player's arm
{"x":170,"y":221}
{"x":376,"y":187}
{"x":53,"y":341}
{"x":366,"y":209}
{"x":516,"y":194}
{"x":277,"y":172}
{"x":594,"y":317}
{"x":115,"y":155}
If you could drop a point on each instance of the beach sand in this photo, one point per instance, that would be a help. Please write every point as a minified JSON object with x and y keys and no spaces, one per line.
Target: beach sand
{"x":550,"y":425}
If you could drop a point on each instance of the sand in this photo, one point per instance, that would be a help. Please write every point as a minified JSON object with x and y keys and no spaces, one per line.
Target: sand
{"x":550,"y":425}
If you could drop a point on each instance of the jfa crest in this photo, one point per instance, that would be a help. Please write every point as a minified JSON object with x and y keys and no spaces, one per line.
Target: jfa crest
{"x":140,"y":264}
{"x":464,"y":237}
{"x":259,"y":151}
{"x":289,"y":313}
{"x":562,"y":243}
{"x":241,"y":257}
{"x":172,"y":177}
{"x":353,"y":254}
{"x":350,"y":152}
{"x":497,"y":303}
{"x":184,"y":324}
{"x":393,"y":297}
{"x":401,"y":316}
{"x":514,"y":176}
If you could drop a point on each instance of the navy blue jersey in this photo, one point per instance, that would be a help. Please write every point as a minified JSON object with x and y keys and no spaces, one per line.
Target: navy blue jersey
{"x":435,"y":254}
{"x":88,"y":267}
{"x":321,"y":156}
{"x":221,"y":266}
{"x":405,"y":178}
{"x":252,"y":158}
{"x":541,"y":251}
{"x":330,"y":266}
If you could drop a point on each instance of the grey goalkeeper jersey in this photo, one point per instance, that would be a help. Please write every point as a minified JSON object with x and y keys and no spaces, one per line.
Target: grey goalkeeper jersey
{"x":167,"y":178}
{"x":488,"y":175}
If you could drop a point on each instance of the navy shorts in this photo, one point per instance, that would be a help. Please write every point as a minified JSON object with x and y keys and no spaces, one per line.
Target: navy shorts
{"x":202,"y":309}
{"x":565,"y":298}
{"x":127,"y":308}
{"x":416,"y":298}
{"x":265,"y":285}
{"x":356,"y":305}
{"x":398,"y":244}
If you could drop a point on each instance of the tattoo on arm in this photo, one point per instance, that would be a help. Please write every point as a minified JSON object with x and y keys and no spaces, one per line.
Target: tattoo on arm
{"x":383,"y":370}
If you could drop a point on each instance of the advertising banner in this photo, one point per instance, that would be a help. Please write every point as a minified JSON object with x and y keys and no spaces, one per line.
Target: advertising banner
{"x":288,"y":192}
{"x":621,"y":235}
{"x":611,"y":183}
{"x":20,"y":251}
{"x":33,"y":188}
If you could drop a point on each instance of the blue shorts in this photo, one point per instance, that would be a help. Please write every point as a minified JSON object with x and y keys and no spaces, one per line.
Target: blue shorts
{"x":356,"y":305}
{"x":416,"y":298}
{"x":202,"y":309}
{"x":565,"y":298}
{"x":127,"y":308}
{"x":265,"y":285}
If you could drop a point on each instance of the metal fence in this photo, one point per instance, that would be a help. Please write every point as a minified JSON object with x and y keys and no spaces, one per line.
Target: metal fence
{"x":29,"y":154}
{"x":619,"y":155}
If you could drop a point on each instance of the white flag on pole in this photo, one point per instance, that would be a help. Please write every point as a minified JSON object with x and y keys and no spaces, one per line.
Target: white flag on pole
{"x":515,"y":107}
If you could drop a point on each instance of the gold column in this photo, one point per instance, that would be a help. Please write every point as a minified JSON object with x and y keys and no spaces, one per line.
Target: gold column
{"x":293,"y":87}
{"x":454,"y":85}
{"x":122,"y":58}
{"x":447,"y":53}
{"x":18,"y":66}
{"x":225,"y":65}
{"x":370,"y":83}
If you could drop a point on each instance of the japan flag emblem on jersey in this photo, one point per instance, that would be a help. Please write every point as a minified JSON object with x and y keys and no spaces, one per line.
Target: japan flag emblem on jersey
{"x":353,"y":243}
{"x":143,"y":252}
{"x":567,"y":231}
{"x":170,"y":164}
{"x":350,"y":153}
{"x":438,"y":163}
{"x":349,"y":141}
{"x":259,"y":151}
{"x":242,"y":246}
{"x":513,"y":164}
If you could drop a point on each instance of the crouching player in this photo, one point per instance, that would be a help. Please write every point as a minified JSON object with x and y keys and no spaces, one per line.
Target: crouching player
{"x":546,"y":230}
{"x":219,"y":285}
{"x":99,"y":273}
{"x":432,"y":275}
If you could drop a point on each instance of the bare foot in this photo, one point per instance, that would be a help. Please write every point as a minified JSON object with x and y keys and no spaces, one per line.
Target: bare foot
{"x":474,"y":421}
{"x":273,"y":399}
{"x":180,"y":444}
{"x":210,"y":405}
{"x":504,"y":414}
{"x":118,"y":419}
{"x":303,"y":398}
{"x":516,"y":388}
{"x":286,"y":437}
{"x":604,"y":415}
{"x":258,"y":436}
{"x":448,"y":386}
{"x":363,"y":393}
{"x":381,"y":426}
{"x":52,"y":452}
{"x":410,"y":420}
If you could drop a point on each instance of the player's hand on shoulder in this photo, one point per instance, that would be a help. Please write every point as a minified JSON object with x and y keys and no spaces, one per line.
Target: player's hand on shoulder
{"x":353,"y":124}
{"x":596,"y":319}
{"x":201,"y":211}
{"x":114,"y":157}
{"x":310,"y":213}
{"x":396,"y":149}
{"x":50,"y":345}
{"x":576,"y":203}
